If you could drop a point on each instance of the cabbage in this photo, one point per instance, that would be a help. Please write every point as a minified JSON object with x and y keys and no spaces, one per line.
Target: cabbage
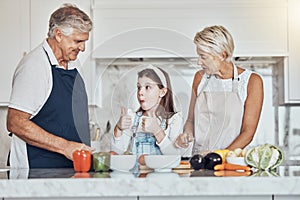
{"x":264,"y":157}
{"x":265,"y":173}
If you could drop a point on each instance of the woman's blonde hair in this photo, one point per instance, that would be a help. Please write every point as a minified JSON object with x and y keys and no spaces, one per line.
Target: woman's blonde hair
{"x":215,"y":40}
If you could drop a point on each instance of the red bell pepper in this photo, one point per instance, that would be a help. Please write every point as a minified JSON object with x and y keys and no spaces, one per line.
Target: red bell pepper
{"x":82,"y":160}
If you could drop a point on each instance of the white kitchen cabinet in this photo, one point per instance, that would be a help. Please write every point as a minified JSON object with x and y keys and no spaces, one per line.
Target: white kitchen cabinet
{"x":286,"y":197}
{"x":139,"y":28}
{"x":14,"y":22}
{"x":212,"y":197}
{"x":76,"y":198}
{"x":289,"y":84}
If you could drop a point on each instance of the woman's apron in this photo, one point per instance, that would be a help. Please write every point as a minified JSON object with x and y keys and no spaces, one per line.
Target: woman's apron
{"x":218,"y":117}
{"x":65,"y":114}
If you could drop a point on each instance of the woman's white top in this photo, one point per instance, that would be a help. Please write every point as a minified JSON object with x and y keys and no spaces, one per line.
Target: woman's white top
{"x":220,"y":85}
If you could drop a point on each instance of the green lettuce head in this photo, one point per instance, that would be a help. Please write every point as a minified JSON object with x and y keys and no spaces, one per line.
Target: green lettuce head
{"x":264,"y":157}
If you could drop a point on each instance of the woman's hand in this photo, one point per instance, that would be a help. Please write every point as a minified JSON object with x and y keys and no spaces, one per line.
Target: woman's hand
{"x":183,"y":140}
{"x":124,"y":120}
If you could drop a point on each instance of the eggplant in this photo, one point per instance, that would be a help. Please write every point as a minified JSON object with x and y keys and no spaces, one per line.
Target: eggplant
{"x":211,"y":160}
{"x":197,"y":162}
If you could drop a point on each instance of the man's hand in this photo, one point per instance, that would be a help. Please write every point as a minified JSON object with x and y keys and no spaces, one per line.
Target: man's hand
{"x":73,"y":146}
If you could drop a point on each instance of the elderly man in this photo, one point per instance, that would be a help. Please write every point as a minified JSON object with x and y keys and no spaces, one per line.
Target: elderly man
{"x":48,"y":110}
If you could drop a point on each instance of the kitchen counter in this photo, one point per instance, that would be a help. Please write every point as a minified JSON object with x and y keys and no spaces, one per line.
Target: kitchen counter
{"x":64,"y":183}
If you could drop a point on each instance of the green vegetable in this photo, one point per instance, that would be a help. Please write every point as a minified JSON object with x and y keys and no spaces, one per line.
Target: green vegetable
{"x":265,"y":173}
{"x":264,"y":157}
{"x":101,"y":161}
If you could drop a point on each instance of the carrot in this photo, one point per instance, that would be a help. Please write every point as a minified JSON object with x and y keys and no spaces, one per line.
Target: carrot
{"x":219,"y":167}
{"x":232,"y":173}
{"x":233,"y":167}
{"x":184,"y":162}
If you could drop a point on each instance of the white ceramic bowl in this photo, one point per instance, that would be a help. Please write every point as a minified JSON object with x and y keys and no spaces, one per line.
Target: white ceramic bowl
{"x":162,"y":163}
{"x":122,"y":163}
{"x":236,"y":160}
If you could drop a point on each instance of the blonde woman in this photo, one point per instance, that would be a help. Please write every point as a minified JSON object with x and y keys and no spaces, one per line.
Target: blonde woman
{"x":226,"y":100}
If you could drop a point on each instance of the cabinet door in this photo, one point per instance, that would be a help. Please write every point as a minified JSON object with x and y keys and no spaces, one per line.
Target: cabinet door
{"x":14,"y":40}
{"x":139,"y":28}
{"x":292,"y":75}
{"x":212,"y":197}
{"x":286,"y":197}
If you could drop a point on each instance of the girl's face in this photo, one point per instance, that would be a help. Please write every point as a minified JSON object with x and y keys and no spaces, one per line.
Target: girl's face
{"x":210,"y":63}
{"x":149,"y":94}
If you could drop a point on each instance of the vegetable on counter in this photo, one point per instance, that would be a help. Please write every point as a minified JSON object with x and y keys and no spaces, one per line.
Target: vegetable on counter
{"x":223,"y":153}
{"x":232,"y":173}
{"x":101,"y":161}
{"x":207,"y":162}
{"x":197,"y":162}
{"x":232,"y":167}
{"x":211,"y":160}
{"x":238,"y":152}
{"x":82,"y":160}
{"x":265,"y":157}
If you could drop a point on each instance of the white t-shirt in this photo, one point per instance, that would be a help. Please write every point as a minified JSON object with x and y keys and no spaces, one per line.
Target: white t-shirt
{"x":31,"y":87}
{"x":175,"y":124}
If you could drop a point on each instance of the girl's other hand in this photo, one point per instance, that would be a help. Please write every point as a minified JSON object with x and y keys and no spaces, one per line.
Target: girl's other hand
{"x":150,"y":125}
{"x":183,"y":140}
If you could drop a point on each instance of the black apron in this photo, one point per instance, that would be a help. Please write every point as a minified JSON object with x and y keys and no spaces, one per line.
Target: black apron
{"x":65,"y":114}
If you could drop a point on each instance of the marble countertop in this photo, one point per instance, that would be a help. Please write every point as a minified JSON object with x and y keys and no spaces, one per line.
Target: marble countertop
{"x":66,"y":183}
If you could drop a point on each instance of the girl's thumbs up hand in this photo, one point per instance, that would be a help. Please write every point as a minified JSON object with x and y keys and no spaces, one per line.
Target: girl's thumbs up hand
{"x":124,"y":120}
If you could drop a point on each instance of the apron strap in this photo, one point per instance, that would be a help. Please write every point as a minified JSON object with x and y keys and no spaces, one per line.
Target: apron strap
{"x":205,"y":78}
{"x":203,"y":83}
{"x":235,"y":79}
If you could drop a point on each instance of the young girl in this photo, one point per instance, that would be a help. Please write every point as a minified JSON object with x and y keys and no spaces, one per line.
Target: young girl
{"x":156,"y":125}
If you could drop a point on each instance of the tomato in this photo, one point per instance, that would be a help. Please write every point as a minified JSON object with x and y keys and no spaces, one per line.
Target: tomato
{"x":113,"y":153}
{"x":142,"y":159}
{"x":82,"y":160}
